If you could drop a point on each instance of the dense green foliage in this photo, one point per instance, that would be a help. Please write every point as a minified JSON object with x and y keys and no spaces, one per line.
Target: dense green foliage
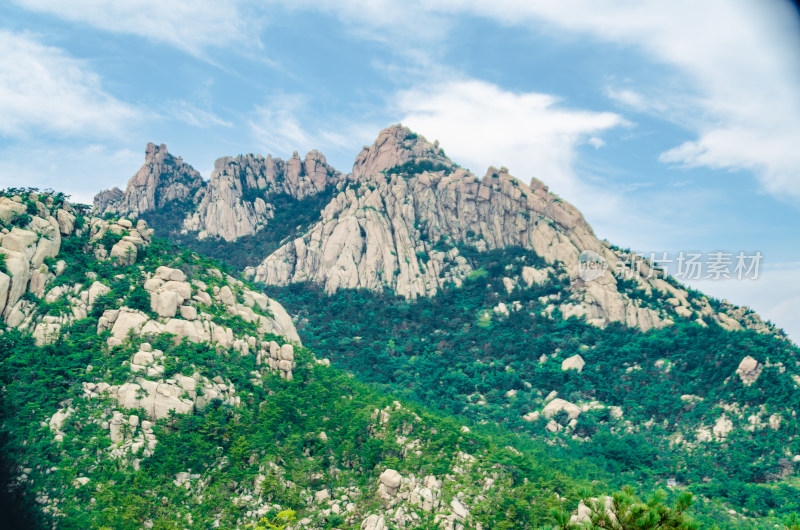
{"x":272,"y":437}
{"x":415,"y":167}
{"x":454,"y":353}
{"x":291,"y":218}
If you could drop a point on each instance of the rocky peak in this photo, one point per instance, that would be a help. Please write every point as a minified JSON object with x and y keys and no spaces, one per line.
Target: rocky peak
{"x":161,"y":179}
{"x":236,"y":201}
{"x":404,"y":231}
{"x":394,"y":147}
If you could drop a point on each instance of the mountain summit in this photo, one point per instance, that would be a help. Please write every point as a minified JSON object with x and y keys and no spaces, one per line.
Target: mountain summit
{"x":401,"y":220}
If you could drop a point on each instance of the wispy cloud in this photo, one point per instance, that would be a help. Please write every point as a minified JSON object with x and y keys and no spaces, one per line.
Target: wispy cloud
{"x":195,"y":116}
{"x":286,"y":123}
{"x":734,"y":66}
{"x":481,"y":124}
{"x":189,"y":25}
{"x":738,"y":65}
{"x":276,"y":126}
{"x":44,"y":89}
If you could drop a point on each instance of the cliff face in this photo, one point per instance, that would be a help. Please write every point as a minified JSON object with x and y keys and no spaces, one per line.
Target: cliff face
{"x":163,"y":178}
{"x":401,"y":220}
{"x":236,"y":202}
{"x":400,"y":223}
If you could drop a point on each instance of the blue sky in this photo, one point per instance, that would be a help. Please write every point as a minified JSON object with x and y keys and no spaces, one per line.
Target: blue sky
{"x":674,"y":126}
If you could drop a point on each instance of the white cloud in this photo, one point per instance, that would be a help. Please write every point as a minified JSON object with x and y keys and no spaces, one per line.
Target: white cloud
{"x":42,"y":88}
{"x":480,"y":124}
{"x":740,"y":63}
{"x":277,"y":127}
{"x":633,"y":99}
{"x":195,"y":116}
{"x":736,"y":66}
{"x":596,"y":142}
{"x":190,"y":25}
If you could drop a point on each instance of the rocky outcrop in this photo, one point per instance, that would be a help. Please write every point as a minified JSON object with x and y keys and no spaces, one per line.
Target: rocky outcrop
{"x":749,"y":370}
{"x":397,"y":221}
{"x":557,"y":405}
{"x":398,"y":224}
{"x":575,"y":362}
{"x":163,"y":178}
{"x":236,"y":201}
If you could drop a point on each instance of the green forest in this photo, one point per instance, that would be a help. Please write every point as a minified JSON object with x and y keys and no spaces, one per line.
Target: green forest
{"x":444,"y":353}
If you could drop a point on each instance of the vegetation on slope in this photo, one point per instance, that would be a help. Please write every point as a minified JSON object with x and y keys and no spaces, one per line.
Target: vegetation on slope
{"x":457,"y":353}
{"x":291,"y":218}
{"x":316,"y":445}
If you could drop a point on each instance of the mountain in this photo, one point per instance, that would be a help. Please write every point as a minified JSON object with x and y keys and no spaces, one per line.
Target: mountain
{"x":493,"y":301}
{"x":143,"y":386}
{"x":162,"y":179}
{"x":398,"y":221}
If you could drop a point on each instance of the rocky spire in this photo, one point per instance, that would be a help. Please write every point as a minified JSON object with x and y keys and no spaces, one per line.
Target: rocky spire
{"x":237,"y":200}
{"x":162,"y":178}
{"x":402,"y":231}
{"x":395,"y":146}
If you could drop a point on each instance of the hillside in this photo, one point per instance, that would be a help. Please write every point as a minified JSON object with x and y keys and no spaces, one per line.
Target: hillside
{"x":398,"y":223}
{"x":481,"y":306}
{"x":143,"y":386}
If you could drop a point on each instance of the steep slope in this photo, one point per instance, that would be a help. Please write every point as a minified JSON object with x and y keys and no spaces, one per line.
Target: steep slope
{"x":400,"y":224}
{"x":687,"y":407}
{"x":239,"y":200}
{"x":144,"y":387}
{"x":161,"y":180}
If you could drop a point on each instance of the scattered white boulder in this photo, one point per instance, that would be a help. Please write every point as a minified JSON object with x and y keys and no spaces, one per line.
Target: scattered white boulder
{"x":749,"y":370}
{"x":557,"y":405}
{"x":389,"y":483}
{"x":575,"y":362}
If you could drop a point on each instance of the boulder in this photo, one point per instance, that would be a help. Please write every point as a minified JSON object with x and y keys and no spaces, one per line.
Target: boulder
{"x":165,"y":303}
{"x":226,"y":296}
{"x":533,"y":276}
{"x":66,"y":221}
{"x":124,"y":252}
{"x":322,"y":496}
{"x":167,"y":274}
{"x":557,"y":405}
{"x":575,"y":362}
{"x":10,"y":209}
{"x":374,"y":522}
{"x":459,"y":510}
{"x":96,"y":290}
{"x":19,"y":240}
{"x":749,"y":370}
{"x":390,"y":481}
{"x":179,"y":287}
{"x":126,"y":321}
{"x":531,"y":416}
{"x":188,"y":312}
{"x":5,"y":284}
